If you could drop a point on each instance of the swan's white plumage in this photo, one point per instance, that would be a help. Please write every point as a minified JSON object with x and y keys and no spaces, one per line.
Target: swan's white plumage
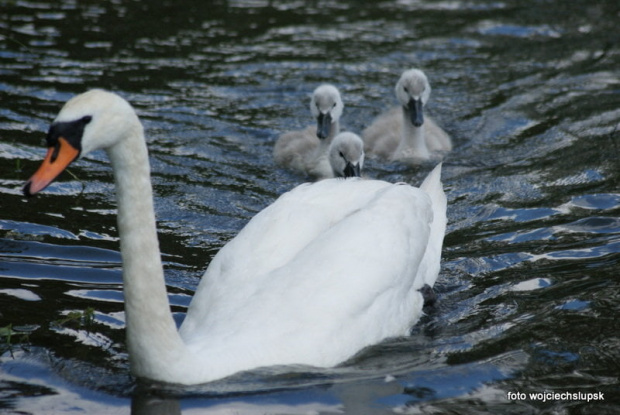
{"x":302,"y":150}
{"x":393,"y":136}
{"x":327,"y":269}
{"x":343,"y":282}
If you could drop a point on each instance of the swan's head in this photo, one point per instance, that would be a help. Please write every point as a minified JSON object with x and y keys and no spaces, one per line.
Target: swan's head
{"x":346,"y":155}
{"x":326,"y":106}
{"x":94,"y":120}
{"x":412,"y":92}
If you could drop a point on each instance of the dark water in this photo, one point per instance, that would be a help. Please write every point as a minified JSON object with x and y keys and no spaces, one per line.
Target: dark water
{"x":529,"y":290}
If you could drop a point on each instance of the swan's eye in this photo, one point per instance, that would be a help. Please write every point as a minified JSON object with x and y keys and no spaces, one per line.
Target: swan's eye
{"x":334,"y":106}
{"x":341,"y":155}
{"x":72,"y":131}
{"x":406,"y":89}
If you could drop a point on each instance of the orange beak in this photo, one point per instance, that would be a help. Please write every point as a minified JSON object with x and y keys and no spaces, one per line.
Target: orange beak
{"x":56,"y":160}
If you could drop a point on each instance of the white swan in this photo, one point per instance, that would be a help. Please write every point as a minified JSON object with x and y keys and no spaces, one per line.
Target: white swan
{"x":404,"y":133}
{"x":328,"y":269}
{"x":305,"y":151}
{"x":346,"y":155}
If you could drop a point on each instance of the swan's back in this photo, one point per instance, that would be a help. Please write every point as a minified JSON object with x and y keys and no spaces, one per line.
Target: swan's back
{"x":437,"y":140}
{"x":326,"y":270}
{"x":381,"y":138}
{"x":293,"y":149}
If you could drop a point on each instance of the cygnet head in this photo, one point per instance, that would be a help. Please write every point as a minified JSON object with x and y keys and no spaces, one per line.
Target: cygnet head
{"x":326,"y":106}
{"x":346,"y":155}
{"x":413,"y":92}
{"x":93,"y":120}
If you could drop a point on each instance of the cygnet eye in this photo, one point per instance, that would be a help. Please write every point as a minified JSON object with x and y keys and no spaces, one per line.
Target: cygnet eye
{"x":341,"y":155}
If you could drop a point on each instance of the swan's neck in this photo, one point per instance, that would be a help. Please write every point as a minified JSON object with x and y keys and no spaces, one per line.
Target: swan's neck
{"x":413,"y":142}
{"x":334,"y":129}
{"x":152,"y":339}
{"x":318,"y":165}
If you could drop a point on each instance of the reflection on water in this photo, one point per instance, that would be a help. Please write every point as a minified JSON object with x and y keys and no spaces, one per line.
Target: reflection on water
{"x":529,"y":287}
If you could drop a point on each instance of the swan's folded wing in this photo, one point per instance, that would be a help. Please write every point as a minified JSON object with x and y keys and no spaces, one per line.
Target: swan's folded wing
{"x":294,"y":148}
{"x":349,"y":285}
{"x":436,"y":138}
{"x":279,"y":232}
{"x":431,"y":263}
{"x":382,"y":137}
{"x":274,"y":237}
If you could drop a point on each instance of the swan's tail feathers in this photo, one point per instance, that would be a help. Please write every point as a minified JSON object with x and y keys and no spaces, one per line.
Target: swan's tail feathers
{"x":433,"y":180}
{"x":434,"y":188}
{"x":432,"y":257}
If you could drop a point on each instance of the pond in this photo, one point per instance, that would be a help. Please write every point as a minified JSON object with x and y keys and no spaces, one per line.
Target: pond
{"x":529,"y":290}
